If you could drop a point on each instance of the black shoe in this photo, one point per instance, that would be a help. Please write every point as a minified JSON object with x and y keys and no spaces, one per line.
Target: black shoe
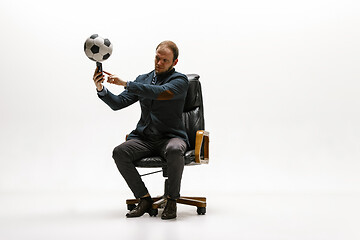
{"x":170,"y":210}
{"x":143,"y":207}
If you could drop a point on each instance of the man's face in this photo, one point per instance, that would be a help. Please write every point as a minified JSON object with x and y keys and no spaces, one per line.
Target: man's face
{"x":164,"y":60}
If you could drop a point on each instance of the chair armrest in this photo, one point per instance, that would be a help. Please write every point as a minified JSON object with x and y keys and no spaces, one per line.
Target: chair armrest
{"x":202,"y":136}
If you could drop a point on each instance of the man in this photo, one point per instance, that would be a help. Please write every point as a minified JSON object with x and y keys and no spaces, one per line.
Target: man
{"x":160,"y":130}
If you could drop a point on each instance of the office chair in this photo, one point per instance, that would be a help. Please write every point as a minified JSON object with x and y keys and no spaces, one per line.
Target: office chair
{"x":197,"y":153}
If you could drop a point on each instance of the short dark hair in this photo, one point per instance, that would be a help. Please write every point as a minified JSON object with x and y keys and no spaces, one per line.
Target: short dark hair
{"x":172,"y":46}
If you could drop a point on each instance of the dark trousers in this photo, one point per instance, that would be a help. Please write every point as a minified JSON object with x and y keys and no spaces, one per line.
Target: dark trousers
{"x":172,"y":150}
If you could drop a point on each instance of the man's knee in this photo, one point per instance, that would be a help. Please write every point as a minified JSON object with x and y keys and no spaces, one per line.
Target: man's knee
{"x":119,"y":153}
{"x":176,"y":148}
{"x":174,"y":151}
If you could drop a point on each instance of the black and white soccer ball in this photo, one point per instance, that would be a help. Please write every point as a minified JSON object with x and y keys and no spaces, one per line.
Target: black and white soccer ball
{"x":97,"y":48}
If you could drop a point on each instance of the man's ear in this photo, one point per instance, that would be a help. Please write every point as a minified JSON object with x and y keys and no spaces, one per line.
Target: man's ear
{"x":175,"y":62}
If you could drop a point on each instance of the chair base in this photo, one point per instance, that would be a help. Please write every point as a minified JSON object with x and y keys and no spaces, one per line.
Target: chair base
{"x":159,"y":202}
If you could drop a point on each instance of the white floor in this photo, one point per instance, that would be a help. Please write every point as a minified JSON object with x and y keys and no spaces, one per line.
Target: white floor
{"x":249,"y":216}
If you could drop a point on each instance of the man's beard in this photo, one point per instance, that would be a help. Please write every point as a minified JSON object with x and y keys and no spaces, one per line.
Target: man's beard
{"x":164,"y":72}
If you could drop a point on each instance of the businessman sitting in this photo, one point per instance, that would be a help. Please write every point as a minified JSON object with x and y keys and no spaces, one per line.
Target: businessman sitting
{"x":160,"y":130}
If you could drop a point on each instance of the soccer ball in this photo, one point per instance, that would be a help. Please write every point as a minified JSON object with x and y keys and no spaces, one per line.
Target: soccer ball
{"x":97,"y":48}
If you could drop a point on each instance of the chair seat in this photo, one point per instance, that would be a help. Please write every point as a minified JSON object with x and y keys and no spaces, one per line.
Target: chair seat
{"x":158,"y":162}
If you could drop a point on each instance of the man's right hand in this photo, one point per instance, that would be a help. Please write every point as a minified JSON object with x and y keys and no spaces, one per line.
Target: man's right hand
{"x":98,"y":80}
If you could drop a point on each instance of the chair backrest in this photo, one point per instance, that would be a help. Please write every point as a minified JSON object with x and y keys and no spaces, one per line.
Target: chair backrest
{"x":193,"y":114}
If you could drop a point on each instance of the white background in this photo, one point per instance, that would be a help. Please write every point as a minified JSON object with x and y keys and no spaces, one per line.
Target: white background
{"x":280,"y":83}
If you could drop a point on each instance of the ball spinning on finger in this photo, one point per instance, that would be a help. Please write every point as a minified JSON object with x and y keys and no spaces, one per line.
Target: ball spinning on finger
{"x":98,"y":48}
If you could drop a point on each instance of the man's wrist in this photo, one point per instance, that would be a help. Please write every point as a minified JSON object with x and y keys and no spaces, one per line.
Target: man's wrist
{"x":102,"y":88}
{"x":103,"y":91}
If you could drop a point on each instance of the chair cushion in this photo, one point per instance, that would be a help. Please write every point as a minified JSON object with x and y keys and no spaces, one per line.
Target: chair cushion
{"x":193,"y":115}
{"x":154,"y":162}
{"x":194,"y":96}
{"x":192,"y":122}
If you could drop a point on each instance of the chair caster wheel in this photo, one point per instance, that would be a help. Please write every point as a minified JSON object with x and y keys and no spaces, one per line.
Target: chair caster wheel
{"x":201,"y":210}
{"x":131,"y":206}
{"x":153,"y":212}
